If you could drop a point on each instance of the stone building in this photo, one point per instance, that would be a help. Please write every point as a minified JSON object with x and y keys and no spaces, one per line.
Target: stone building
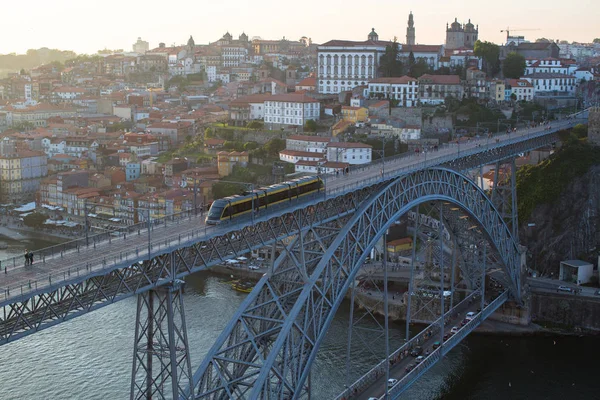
{"x":461,"y":36}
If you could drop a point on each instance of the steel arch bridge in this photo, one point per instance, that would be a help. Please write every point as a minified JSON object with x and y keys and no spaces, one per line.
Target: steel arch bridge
{"x":268,"y":347}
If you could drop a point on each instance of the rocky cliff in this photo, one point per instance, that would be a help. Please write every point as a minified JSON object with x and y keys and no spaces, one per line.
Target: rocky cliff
{"x":561,"y":197}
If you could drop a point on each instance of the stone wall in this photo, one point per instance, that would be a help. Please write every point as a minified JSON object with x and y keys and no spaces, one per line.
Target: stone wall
{"x":568,"y":310}
{"x":594,"y":126}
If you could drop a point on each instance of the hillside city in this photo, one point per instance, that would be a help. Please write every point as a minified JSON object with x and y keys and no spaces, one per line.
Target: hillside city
{"x":169,"y":129}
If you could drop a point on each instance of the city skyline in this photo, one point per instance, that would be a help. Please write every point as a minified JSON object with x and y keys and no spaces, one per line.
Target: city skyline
{"x":570,"y":23}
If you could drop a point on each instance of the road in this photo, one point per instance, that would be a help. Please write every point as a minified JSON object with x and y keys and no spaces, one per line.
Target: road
{"x":546,"y":285}
{"x":403,"y":366}
{"x":133,"y":247}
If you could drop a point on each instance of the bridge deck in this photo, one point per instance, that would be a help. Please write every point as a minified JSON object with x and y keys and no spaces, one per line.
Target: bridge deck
{"x":19,"y":281}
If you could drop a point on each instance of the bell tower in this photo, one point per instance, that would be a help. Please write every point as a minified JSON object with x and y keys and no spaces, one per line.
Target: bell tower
{"x":410,"y":30}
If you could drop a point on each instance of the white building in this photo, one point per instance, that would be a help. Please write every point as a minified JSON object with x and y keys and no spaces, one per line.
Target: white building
{"x":405,"y":89}
{"x":293,"y":156}
{"x":344,"y":65}
{"x":233,"y":56}
{"x":67,"y":93}
{"x":141,"y":46}
{"x":546,"y":65}
{"x":576,"y":271}
{"x":583,"y":74}
{"x":291,"y":109}
{"x":347,"y":152}
{"x":314,"y":144}
{"x":211,"y":73}
{"x":521,"y":88}
{"x":549,"y":82}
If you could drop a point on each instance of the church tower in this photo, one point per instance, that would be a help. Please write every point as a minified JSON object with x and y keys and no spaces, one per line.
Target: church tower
{"x":410,"y":31}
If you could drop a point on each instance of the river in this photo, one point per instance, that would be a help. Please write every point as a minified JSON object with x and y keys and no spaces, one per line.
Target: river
{"x":90,"y":357}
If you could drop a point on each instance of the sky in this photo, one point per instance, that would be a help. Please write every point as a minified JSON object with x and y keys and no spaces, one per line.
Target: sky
{"x":86,"y":27}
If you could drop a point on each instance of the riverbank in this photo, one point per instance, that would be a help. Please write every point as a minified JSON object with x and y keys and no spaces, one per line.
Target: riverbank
{"x":25,"y":232}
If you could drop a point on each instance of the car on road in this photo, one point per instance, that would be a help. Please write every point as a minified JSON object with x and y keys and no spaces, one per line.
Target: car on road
{"x":564,"y":289}
{"x":436,"y":345}
{"x":470,"y":315}
{"x":253,"y":267}
{"x":409,"y":367}
{"x":416,"y":351}
{"x":419,"y":359}
{"x":454,"y":329}
{"x":446,"y":336}
{"x":392,"y":382}
{"x":373,"y":398}
{"x":597,"y":292}
{"x":464,"y":322}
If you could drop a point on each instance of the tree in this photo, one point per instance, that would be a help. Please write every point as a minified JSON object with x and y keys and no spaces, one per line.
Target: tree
{"x":580,"y":130}
{"x":389,"y":64}
{"x":489,"y":53}
{"x":513,"y":66}
{"x":543,"y":40}
{"x":256,"y":125}
{"x":411,"y":59}
{"x":250,"y":146}
{"x":35,"y":220}
{"x":274,"y":146}
{"x":419,"y":68}
{"x":208,"y":133}
{"x":310,"y":125}
{"x":597,"y":40}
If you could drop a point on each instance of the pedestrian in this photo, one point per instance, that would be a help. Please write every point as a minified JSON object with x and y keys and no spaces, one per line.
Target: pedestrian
{"x":26,"y":257}
{"x":31,"y":258}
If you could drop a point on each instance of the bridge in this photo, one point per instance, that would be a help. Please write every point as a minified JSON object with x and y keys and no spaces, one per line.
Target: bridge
{"x":319,"y":245}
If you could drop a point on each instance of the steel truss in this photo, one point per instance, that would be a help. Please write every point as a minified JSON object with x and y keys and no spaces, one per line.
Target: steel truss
{"x":86,"y":292}
{"x":161,"y":355}
{"x":268,"y":347}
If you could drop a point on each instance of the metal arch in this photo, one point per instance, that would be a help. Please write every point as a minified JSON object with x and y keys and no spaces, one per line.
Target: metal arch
{"x":279,"y":366}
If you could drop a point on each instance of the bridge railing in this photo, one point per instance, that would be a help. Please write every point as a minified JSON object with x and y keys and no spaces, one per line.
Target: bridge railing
{"x":401,"y":353}
{"x":446,"y":346}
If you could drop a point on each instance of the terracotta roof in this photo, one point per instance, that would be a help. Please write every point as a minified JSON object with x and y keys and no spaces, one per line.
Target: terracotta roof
{"x":350,"y":145}
{"x":296,"y":153}
{"x":401,"y":80}
{"x":421,"y":48}
{"x":307,"y":82}
{"x":442,"y":79}
{"x":308,"y":138}
{"x":292,"y":98}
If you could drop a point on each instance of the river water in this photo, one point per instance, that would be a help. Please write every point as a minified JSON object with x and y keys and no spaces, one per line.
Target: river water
{"x":90,"y":357}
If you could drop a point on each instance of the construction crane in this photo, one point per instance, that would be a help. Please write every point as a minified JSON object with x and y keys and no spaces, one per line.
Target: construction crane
{"x":508,"y":30}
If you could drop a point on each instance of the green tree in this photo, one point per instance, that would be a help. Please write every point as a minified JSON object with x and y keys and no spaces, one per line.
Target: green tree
{"x":489,"y":53}
{"x":389,"y":64}
{"x":597,"y":40}
{"x":256,"y":125}
{"x":580,"y":130}
{"x":411,"y":59}
{"x":514,"y":66}
{"x":208,"y":133}
{"x":248,"y":146}
{"x":543,"y":40}
{"x":419,"y":68}
{"x":310,"y":125}
{"x":35,"y":220}
{"x":274,"y":146}
{"x":226,"y":189}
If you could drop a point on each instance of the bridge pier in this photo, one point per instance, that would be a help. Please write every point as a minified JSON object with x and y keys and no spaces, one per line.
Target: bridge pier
{"x":161,"y":357}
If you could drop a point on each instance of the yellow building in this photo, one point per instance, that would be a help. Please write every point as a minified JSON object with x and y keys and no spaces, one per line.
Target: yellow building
{"x":226,"y":161}
{"x":497,"y":90}
{"x":355,"y":114}
{"x":396,"y":246}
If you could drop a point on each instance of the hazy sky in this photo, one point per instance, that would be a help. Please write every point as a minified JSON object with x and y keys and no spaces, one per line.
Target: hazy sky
{"x":87,"y":27}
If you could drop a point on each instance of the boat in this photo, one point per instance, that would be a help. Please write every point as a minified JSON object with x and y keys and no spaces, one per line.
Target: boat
{"x":244,"y":287}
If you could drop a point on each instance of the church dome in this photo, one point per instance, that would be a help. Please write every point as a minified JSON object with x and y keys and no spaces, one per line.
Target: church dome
{"x":373,"y":35}
{"x":469,"y":26}
{"x":455,"y":25}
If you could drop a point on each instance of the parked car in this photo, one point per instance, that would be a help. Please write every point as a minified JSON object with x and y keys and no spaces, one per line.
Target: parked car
{"x":252,"y":267}
{"x":392,"y":382}
{"x":564,"y":289}
{"x":419,"y":359}
{"x":454,"y":330}
{"x":416,"y":351}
